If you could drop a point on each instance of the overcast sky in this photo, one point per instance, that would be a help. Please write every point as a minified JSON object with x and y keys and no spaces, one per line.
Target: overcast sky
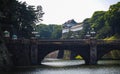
{"x":60,"y":11}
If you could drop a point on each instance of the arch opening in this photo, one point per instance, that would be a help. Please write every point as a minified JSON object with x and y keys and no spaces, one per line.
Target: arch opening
{"x":51,"y":59}
{"x":110,"y":57}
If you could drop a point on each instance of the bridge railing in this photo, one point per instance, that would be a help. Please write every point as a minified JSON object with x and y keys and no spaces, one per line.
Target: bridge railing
{"x":62,"y":41}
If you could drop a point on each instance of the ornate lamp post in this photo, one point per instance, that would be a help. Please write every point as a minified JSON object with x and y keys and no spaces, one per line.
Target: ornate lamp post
{"x":92,"y":32}
{"x":88,"y":35}
{"x":35,"y":34}
{"x":34,"y":47}
{"x":7,"y":36}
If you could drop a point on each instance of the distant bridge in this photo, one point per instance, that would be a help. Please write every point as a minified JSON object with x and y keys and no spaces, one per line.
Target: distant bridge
{"x":33,"y":51}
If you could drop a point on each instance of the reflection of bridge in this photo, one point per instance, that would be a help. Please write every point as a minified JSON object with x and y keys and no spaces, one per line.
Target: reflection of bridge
{"x":32,"y":52}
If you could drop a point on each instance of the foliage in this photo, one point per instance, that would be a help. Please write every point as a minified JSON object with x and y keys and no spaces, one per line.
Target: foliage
{"x":86,"y":26}
{"x":18,"y":17}
{"x":57,"y":32}
{"x":103,"y":32}
{"x":105,"y":23}
{"x":112,"y":37}
{"x":49,"y":31}
{"x":114,"y":17}
{"x":97,"y":21}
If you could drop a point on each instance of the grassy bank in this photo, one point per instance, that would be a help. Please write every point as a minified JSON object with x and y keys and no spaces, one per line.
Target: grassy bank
{"x":114,"y":54}
{"x":114,"y":37}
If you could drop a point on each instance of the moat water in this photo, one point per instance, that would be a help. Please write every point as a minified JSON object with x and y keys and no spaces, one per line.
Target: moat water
{"x":71,"y":67}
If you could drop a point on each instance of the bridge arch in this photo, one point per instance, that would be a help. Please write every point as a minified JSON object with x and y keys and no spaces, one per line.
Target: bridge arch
{"x":113,"y":54}
{"x":107,"y":52}
{"x":104,"y":49}
{"x":44,"y":50}
{"x":63,"y":54}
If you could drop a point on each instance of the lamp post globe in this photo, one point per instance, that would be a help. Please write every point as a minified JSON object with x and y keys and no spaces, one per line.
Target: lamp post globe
{"x":6,"y":34}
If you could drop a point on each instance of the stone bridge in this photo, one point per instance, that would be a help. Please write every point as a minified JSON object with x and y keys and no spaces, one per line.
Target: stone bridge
{"x":32,"y":52}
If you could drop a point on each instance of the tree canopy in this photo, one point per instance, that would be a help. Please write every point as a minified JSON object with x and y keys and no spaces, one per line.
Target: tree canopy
{"x":51,"y":31}
{"x":105,"y":23}
{"x":18,"y":17}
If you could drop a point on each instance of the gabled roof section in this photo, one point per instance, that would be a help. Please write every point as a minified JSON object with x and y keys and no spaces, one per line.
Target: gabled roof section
{"x":69,"y":23}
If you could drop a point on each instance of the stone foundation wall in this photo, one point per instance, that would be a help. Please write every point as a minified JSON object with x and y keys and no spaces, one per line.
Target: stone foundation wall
{"x":5,"y":60}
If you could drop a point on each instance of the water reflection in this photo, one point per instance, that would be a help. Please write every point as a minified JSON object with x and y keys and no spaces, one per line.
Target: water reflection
{"x":63,"y":63}
{"x":72,"y":67}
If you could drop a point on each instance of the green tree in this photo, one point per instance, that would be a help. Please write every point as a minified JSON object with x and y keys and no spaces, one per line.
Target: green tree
{"x":57,"y":32}
{"x":49,"y":31}
{"x":6,"y":11}
{"x":97,"y":21}
{"x":113,"y":18}
{"x":86,"y":28}
{"x":18,"y":17}
{"x":44,"y":31}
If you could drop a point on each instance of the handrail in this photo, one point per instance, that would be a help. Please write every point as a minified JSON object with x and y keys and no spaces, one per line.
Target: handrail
{"x":63,"y":41}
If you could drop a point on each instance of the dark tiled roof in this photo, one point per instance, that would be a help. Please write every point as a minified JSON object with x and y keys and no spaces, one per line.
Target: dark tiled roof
{"x":70,"y":23}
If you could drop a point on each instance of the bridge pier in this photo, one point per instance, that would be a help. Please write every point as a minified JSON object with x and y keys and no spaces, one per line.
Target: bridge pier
{"x":60,"y":54}
{"x":93,"y":52}
{"x":34,"y":52}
